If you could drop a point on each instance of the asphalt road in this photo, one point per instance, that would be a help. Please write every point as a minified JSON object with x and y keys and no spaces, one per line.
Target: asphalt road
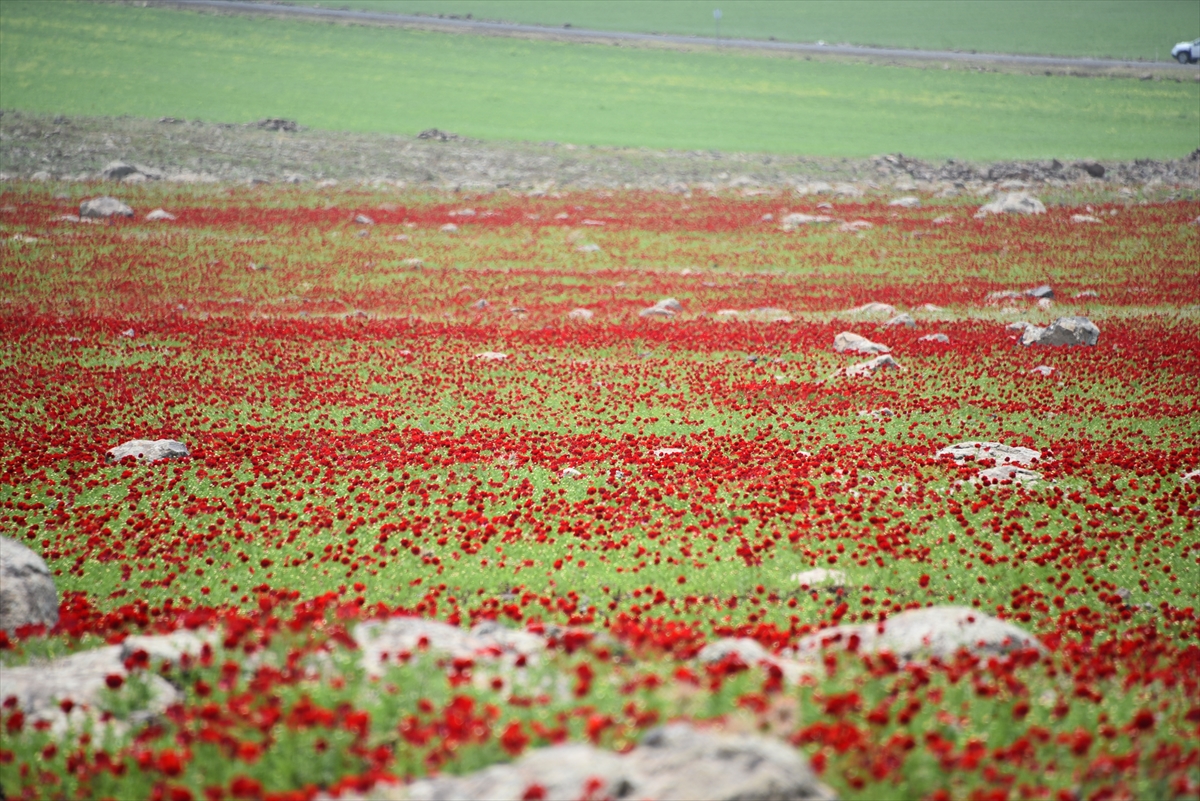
{"x":502,"y":28}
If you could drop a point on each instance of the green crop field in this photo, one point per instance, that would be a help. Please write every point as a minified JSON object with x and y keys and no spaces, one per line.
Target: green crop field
{"x":1097,"y":28}
{"x":95,"y":59}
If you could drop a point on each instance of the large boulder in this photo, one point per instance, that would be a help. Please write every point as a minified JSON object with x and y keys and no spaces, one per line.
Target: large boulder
{"x":103,"y":207}
{"x":997,"y":451}
{"x":677,"y":761}
{"x":1012,"y":203}
{"x":1065,"y":331}
{"x":27,"y":593}
{"x":933,"y":631}
{"x":848,"y":341}
{"x":382,"y":641}
{"x":147,"y":450}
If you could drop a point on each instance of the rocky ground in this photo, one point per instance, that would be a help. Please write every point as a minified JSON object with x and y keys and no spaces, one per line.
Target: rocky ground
{"x":44,"y":147}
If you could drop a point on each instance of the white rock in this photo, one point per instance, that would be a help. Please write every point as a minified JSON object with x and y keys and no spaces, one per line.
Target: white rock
{"x":849,"y":342}
{"x":1043,"y":370}
{"x":449,"y":228}
{"x":1087,"y":293}
{"x":867,"y":369}
{"x":147,"y":451}
{"x":1065,"y":331}
{"x":857,"y":225}
{"x":1084,"y":218}
{"x":363,"y":219}
{"x":1009,"y":473}
{"x":997,"y":451}
{"x":590,"y":248}
{"x":670,"y":303}
{"x":907,"y":202}
{"x":813,"y":188}
{"x":491,"y":356}
{"x":580,"y":314}
{"x":101,"y":207}
{"x":820,"y":577}
{"x":744,"y":648}
{"x":667,"y":451}
{"x":945,"y":340}
{"x":160,"y":214}
{"x":1012,"y":203}
{"x":901,"y":319}
{"x":27,"y":592}
{"x":793,"y":221}
{"x":571,"y":472}
{"x":932,"y":631}
{"x":873,"y":308}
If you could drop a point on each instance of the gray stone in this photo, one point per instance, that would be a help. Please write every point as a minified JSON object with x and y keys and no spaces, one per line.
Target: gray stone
{"x":1065,"y":331}
{"x":867,"y":369}
{"x":27,"y":593}
{"x":901,"y":319}
{"x":820,"y":577}
{"x":381,"y":641}
{"x":907,"y":202}
{"x":147,"y":451}
{"x":83,"y":678}
{"x":747,"y":650}
{"x":673,"y":762}
{"x":1012,"y":203}
{"x":117,"y":170}
{"x":1010,"y":473}
{"x":100,"y":207}
{"x":848,"y":341}
{"x":160,"y":214}
{"x":791,"y":222}
{"x":933,"y":631}
{"x":1039,"y":292}
{"x":873,"y":308}
{"x":580,"y":314}
{"x":670,"y":304}
{"x":656,"y":311}
{"x":999,"y":452}
{"x":363,"y":219}
{"x":945,"y":340}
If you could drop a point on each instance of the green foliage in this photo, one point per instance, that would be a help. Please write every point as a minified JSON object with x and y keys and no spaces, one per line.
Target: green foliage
{"x":110,"y":60}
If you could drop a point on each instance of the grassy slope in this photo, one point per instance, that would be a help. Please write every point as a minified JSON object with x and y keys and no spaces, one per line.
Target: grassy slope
{"x":1112,"y":28}
{"x":111,"y":60}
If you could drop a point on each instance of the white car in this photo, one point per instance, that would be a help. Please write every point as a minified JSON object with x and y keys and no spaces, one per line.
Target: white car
{"x":1186,"y":52}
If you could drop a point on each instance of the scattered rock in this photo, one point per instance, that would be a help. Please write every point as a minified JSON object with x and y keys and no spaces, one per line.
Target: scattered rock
{"x":147,"y":450}
{"x":116,"y":170}
{"x":928,"y":307}
{"x":591,"y":247}
{"x":479,"y":305}
{"x":1039,"y":292}
{"x":160,"y":214}
{"x":1045,"y":304}
{"x":416,"y":264}
{"x":1043,"y":370}
{"x":656,"y":311}
{"x":933,"y":631}
{"x":580,"y":314}
{"x":437,"y":136}
{"x":814,"y":188}
{"x":820,"y":577}
{"x":867,"y":369}
{"x":1019,"y":325}
{"x":744,"y":648}
{"x":1065,"y":331}
{"x":676,"y":761}
{"x":1009,"y":473}
{"x":449,"y":228}
{"x":1002,"y":296}
{"x":1091,"y":168}
{"x":277,"y":124}
{"x":363,"y":219}
{"x":857,"y":225}
{"x":1012,"y":203}
{"x":571,"y":472}
{"x":41,"y":175}
{"x":384,"y":641}
{"x":491,"y":356}
{"x":945,"y":340}
{"x":667,"y":451}
{"x":901,"y":319}
{"x":873,"y":308}
{"x":793,"y":221}
{"x":27,"y":593}
{"x":997,"y":451}
{"x":907,"y":202}
{"x":1087,"y":293}
{"x":101,"y":207}
{"x":848,"y":341}
{"x":1084,"y":218}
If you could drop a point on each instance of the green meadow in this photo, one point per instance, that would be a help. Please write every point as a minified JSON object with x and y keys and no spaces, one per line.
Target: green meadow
{"x":1085,"y":28}
{"x":99,"y":59}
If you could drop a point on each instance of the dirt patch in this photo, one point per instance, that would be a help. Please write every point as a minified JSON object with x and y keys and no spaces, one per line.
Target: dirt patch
{"x":42,"y":147}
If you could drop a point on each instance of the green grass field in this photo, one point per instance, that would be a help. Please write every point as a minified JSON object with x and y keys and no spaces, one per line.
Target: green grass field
{"x":1098,"y":28}
{"x":99,"y":59}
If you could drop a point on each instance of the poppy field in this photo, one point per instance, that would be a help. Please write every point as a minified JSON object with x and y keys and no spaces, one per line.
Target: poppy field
{"x":460,"y":408}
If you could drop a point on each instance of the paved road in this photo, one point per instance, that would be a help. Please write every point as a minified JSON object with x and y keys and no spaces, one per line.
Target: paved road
{"x":591,"y":35}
